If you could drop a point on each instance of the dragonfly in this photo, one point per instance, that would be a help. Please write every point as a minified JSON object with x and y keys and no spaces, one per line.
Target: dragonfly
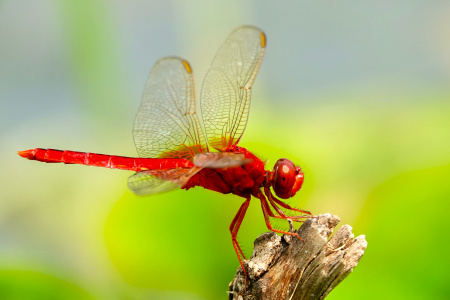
{"x":181,"y":146}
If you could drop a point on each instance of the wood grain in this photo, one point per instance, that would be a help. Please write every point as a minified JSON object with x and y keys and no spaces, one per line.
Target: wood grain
{"x":284,"y":267}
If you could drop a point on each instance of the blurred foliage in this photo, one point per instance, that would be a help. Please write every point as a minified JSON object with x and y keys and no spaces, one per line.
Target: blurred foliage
{"x":403,"y":220}
{"x":94,"y":57}
{"x":374,"y":149}
{"x":17,"y":285}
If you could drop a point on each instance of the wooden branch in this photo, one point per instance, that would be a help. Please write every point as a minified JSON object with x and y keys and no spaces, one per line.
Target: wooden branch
{"x":284,"y":267}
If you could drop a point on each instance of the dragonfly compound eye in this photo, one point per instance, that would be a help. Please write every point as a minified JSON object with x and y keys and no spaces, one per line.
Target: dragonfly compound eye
{"x":284,"y":178}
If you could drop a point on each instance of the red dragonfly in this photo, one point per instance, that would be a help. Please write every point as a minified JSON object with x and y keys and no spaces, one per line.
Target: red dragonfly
{"x":177,"y":151}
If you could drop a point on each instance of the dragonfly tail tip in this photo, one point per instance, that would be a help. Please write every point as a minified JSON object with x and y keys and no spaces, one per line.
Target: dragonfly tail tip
{"x":26,"y":154}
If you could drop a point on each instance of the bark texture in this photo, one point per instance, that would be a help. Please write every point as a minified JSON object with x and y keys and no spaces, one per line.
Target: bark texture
{"x":284,"y":267}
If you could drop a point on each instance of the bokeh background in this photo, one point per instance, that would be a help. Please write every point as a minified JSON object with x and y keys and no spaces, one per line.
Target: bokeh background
{"x":356,"y":92}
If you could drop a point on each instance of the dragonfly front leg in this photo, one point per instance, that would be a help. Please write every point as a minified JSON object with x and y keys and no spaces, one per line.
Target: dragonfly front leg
{"x":234,"y":228}
{"x":274,"y":201}
{"x":267,"y":212}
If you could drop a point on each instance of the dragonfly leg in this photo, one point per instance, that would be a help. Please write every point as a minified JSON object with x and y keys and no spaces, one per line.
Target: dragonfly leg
{"x":268,"y":213}
{"x":282,"y":215}
{"x":273,"y":199}
{"x":234,"y":228}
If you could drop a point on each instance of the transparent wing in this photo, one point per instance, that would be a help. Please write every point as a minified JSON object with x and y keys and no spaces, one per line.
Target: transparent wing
{"x":158,"y":181}
{"x":167,"y":125}
{"x":143,"y":183}
{"x":225,"y":96}
{"x":220,"y":160}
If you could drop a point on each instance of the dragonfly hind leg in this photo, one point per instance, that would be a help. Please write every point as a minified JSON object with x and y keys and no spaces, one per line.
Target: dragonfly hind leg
{"x":234,"y":228}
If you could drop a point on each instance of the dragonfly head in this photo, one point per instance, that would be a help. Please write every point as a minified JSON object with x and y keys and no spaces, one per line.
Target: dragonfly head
{"x":287,"y":179}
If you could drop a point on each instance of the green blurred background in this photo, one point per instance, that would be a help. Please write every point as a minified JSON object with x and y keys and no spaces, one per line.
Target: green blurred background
{"x":356,"y":92}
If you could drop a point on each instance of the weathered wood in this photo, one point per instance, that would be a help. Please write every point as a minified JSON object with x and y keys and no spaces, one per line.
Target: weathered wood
{"x":284,"y":267}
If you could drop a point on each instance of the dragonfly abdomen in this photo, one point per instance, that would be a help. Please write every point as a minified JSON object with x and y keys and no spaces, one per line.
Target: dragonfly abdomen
{"x":104,"y":160}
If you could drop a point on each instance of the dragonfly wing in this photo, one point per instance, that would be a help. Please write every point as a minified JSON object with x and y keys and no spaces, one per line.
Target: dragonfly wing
{"x":220,"y":160}
{"x":142,"y":183}
{"x":158,"y":181}
{"x":167,"y":125}
{"x":225,"y":96}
